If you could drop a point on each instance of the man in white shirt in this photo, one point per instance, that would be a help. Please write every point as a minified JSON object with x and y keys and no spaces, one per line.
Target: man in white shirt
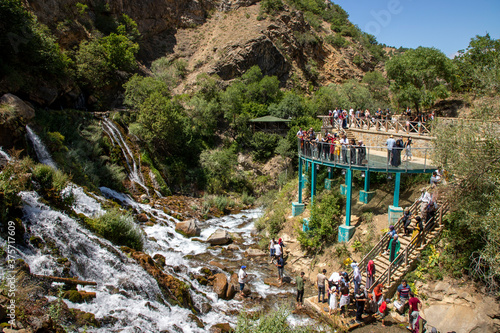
{"x":279,"y":253}
{"x":242,"y":277}
{"x":390,"y":144}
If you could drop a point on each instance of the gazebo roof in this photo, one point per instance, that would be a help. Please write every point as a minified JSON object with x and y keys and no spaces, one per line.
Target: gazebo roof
{"x":269,"y":119}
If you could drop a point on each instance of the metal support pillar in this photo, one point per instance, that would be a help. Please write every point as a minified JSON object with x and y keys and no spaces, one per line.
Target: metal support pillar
{"x":300,"y":181}
{"x":397,"y":184}
{"x":313,"y":181}
{"x":367,"y":181}
{"x":348,"y":181}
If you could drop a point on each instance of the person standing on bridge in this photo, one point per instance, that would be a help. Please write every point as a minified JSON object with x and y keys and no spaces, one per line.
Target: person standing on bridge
{"x":408,"y":154}
{"x":396,"y":152}
{"x":352,"y":150}
{"x":344,"y":142}
{"x":361,"y":152}
{"x":390,"y":144}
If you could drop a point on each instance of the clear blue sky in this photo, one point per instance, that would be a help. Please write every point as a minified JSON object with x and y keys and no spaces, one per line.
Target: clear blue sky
{"x":444,"y":24}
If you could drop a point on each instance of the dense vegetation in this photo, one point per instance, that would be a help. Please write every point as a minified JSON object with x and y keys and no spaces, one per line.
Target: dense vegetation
{"x":196,"y":138}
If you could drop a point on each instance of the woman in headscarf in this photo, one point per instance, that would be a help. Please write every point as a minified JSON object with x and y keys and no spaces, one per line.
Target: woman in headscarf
{"x":370,"y":274}
{"x":394,"y":246}
{"x":356,"y":276}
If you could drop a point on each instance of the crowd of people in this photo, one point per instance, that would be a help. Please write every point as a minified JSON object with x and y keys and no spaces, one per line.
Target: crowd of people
{"x":348,"y":118}
{"x":339,"y":149}
{"x":333,"y":147}
{"x":340,"y":291}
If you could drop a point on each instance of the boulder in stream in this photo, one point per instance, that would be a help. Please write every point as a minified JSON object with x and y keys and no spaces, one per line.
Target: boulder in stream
{"x":220,"y":285}
{"x":188,"y":228}
{"x":219,"y":237}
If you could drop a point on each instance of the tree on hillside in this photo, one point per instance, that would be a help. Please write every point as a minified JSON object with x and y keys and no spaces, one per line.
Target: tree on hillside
{"x":420,"y":76}
{"x":378,"y":86}
{"x":479,"y":65}
{"x":470,"y":152}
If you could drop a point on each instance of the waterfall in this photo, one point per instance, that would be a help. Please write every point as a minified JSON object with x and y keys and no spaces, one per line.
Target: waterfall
{"x":80,"y":102}
{"x":128,"y":299}
{"x":41,"y":151}
{"x":134,"y":168}
{"x":4,"y":156}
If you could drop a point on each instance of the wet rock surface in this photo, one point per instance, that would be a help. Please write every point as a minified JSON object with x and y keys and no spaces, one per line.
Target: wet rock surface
{"x":188,"y":228}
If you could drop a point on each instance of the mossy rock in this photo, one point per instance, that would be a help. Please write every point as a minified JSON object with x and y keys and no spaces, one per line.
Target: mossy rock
{"x":160,"y":260}
{"x":62,"y":260}
{"x":197,"y":320}
{"x":36,"y":242}
{"x":73,"y":296}
{"x":84,"y":318}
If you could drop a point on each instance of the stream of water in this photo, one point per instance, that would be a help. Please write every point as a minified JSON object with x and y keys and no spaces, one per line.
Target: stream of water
{"x":128,"y":299}
{"x":134,"y":168}
{"x":41,"y":151}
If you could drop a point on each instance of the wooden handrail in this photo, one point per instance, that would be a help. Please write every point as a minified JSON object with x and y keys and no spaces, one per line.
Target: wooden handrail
{"x":385,"y":238}
{"x":388,"y":124}
{"x":385,"y":277}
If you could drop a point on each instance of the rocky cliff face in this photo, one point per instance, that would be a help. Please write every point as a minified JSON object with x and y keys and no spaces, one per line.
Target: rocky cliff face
{"x":223,"y":37}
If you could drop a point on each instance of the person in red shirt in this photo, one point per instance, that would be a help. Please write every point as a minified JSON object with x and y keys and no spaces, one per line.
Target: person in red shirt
{"x":382,"y":311}
{"x":415,"y":306}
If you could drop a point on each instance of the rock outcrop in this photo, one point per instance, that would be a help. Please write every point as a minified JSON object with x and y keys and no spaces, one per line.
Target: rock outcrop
{"x":219,"y":237}
{"x":220,"y":285}
{"x":451,"y":307}
{"x":174,"y":289}
{"x":188,"y":228}
{"x":14,"y":115}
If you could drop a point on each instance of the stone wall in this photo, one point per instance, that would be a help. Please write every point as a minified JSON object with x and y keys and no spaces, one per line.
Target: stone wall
{"x":371,"y":138}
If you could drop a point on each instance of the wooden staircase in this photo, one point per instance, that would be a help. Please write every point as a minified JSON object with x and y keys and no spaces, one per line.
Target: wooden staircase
{"x":391,"y":274}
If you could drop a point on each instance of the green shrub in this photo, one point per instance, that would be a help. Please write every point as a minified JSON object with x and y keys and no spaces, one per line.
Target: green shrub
{"x":271,"y":6}
{"x":313,"y":20}
{"x":337,"y":40}
{"x":357,"y":60}
{"x":14,"y":178}
{"x":247,"y":199}
{"x":274,"y":321}
{"x":219,"y":165}
{"x":48,"y":178}
{"x":263,"y":145}
{"x":325,"y":219}
{"x":117,"y":227}
{"x":98,"y":60}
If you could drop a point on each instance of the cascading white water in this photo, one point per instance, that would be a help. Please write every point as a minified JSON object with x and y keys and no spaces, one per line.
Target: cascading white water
{"x":41,"y":151}
{"x":4,"y":156}
{"x":128,"y":298}
{"x":134,"y":167}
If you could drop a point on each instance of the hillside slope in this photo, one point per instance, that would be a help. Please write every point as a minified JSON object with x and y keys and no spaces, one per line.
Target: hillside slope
{"x":219,"y":37}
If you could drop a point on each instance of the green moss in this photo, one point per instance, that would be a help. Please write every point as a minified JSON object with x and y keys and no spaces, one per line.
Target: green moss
{"x":73,"y":296}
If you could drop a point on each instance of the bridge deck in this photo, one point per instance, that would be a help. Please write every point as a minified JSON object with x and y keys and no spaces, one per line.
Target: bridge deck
{"x":375,"y":160}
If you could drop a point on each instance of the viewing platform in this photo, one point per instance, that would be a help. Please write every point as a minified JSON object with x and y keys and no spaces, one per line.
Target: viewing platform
{"x":350,"y":158}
